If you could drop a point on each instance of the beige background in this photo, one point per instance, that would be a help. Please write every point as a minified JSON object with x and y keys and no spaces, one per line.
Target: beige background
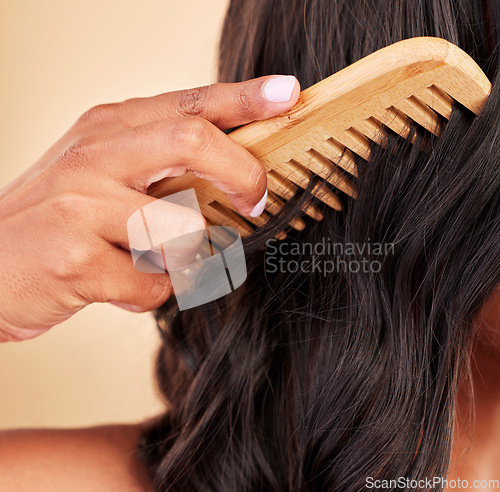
{"x":57,"y":59}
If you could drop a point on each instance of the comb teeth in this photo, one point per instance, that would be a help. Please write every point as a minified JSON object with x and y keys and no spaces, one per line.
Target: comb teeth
{"x":372,"y":129}
{"x":339,"y":119}
{"x":284,"y":188}
{"x":324,"y":168}
{"x":333,"y":151}
{"x":420,"y":113}
{"x":397,"y":121}
{"x":436,"y":99}
{"x":356,"y":142}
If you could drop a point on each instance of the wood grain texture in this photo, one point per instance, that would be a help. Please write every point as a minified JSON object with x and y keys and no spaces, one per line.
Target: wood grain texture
{"x":417,"y":79}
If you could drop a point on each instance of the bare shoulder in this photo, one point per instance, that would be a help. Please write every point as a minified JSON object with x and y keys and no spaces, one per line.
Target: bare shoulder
{"x":89,"y":459}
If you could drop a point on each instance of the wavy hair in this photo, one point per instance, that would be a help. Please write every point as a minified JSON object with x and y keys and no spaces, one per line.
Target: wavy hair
{"x":307,"y":381}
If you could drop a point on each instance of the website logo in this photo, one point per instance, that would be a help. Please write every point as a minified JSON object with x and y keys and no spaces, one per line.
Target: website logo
{"x":204,"y":264}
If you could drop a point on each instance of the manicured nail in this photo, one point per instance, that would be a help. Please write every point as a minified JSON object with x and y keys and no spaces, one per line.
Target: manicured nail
{"x":128,"y":307}
{"x":259,"y":208}
{"x":279,"y":89}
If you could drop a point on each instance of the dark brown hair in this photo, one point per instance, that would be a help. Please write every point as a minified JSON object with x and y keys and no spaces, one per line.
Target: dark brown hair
{"x":310,"y":382}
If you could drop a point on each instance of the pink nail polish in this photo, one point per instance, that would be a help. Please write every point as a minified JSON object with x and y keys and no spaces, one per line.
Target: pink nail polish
{"x":279,"y":89}
{"x":259,"y":208}
{"x":128,"y":307}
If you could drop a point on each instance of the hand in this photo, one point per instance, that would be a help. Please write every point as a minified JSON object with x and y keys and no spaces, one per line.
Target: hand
{"x":63,"y":224}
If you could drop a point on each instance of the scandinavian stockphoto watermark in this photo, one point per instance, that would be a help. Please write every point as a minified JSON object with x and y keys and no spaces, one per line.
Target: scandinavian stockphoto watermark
{"x":203,"y":264}
{"x":428,"y":483}
{"x":325,"y":256}
{"x":209,"y":263}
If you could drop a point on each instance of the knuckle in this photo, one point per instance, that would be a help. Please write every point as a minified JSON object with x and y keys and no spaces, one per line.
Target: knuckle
{"x":192,"y":135}
{"x":73,"y":258}
{"x":78,"y":155}
{"x":243,"y":100}
{"x":69,"y":206}
{"x":193,"y":102}
{"x":99,"y":115}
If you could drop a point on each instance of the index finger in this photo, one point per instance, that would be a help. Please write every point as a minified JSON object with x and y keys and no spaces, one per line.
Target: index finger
{"x":224,"y":105}
{"x":148,"y":153}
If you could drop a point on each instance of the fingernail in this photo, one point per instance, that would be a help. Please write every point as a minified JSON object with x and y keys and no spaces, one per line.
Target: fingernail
{"x":279,"y":89}
{"x":259,"y":208}
{"x":128,"y":307}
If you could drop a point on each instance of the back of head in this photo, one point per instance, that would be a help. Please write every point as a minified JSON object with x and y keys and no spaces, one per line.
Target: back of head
{"x":340,"y":357}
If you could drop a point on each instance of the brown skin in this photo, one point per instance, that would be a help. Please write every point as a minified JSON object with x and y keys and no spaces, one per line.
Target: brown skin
{"x":476,"y":453}
{"x":98,"y":459}
{"x":105,"y":162}
{"x":63,"y":223}
{"x":102,"y":458}
{"x":64,"y":245}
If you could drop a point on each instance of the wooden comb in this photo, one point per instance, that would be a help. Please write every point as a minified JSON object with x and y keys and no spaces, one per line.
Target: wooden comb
{"x":338,"y":118}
